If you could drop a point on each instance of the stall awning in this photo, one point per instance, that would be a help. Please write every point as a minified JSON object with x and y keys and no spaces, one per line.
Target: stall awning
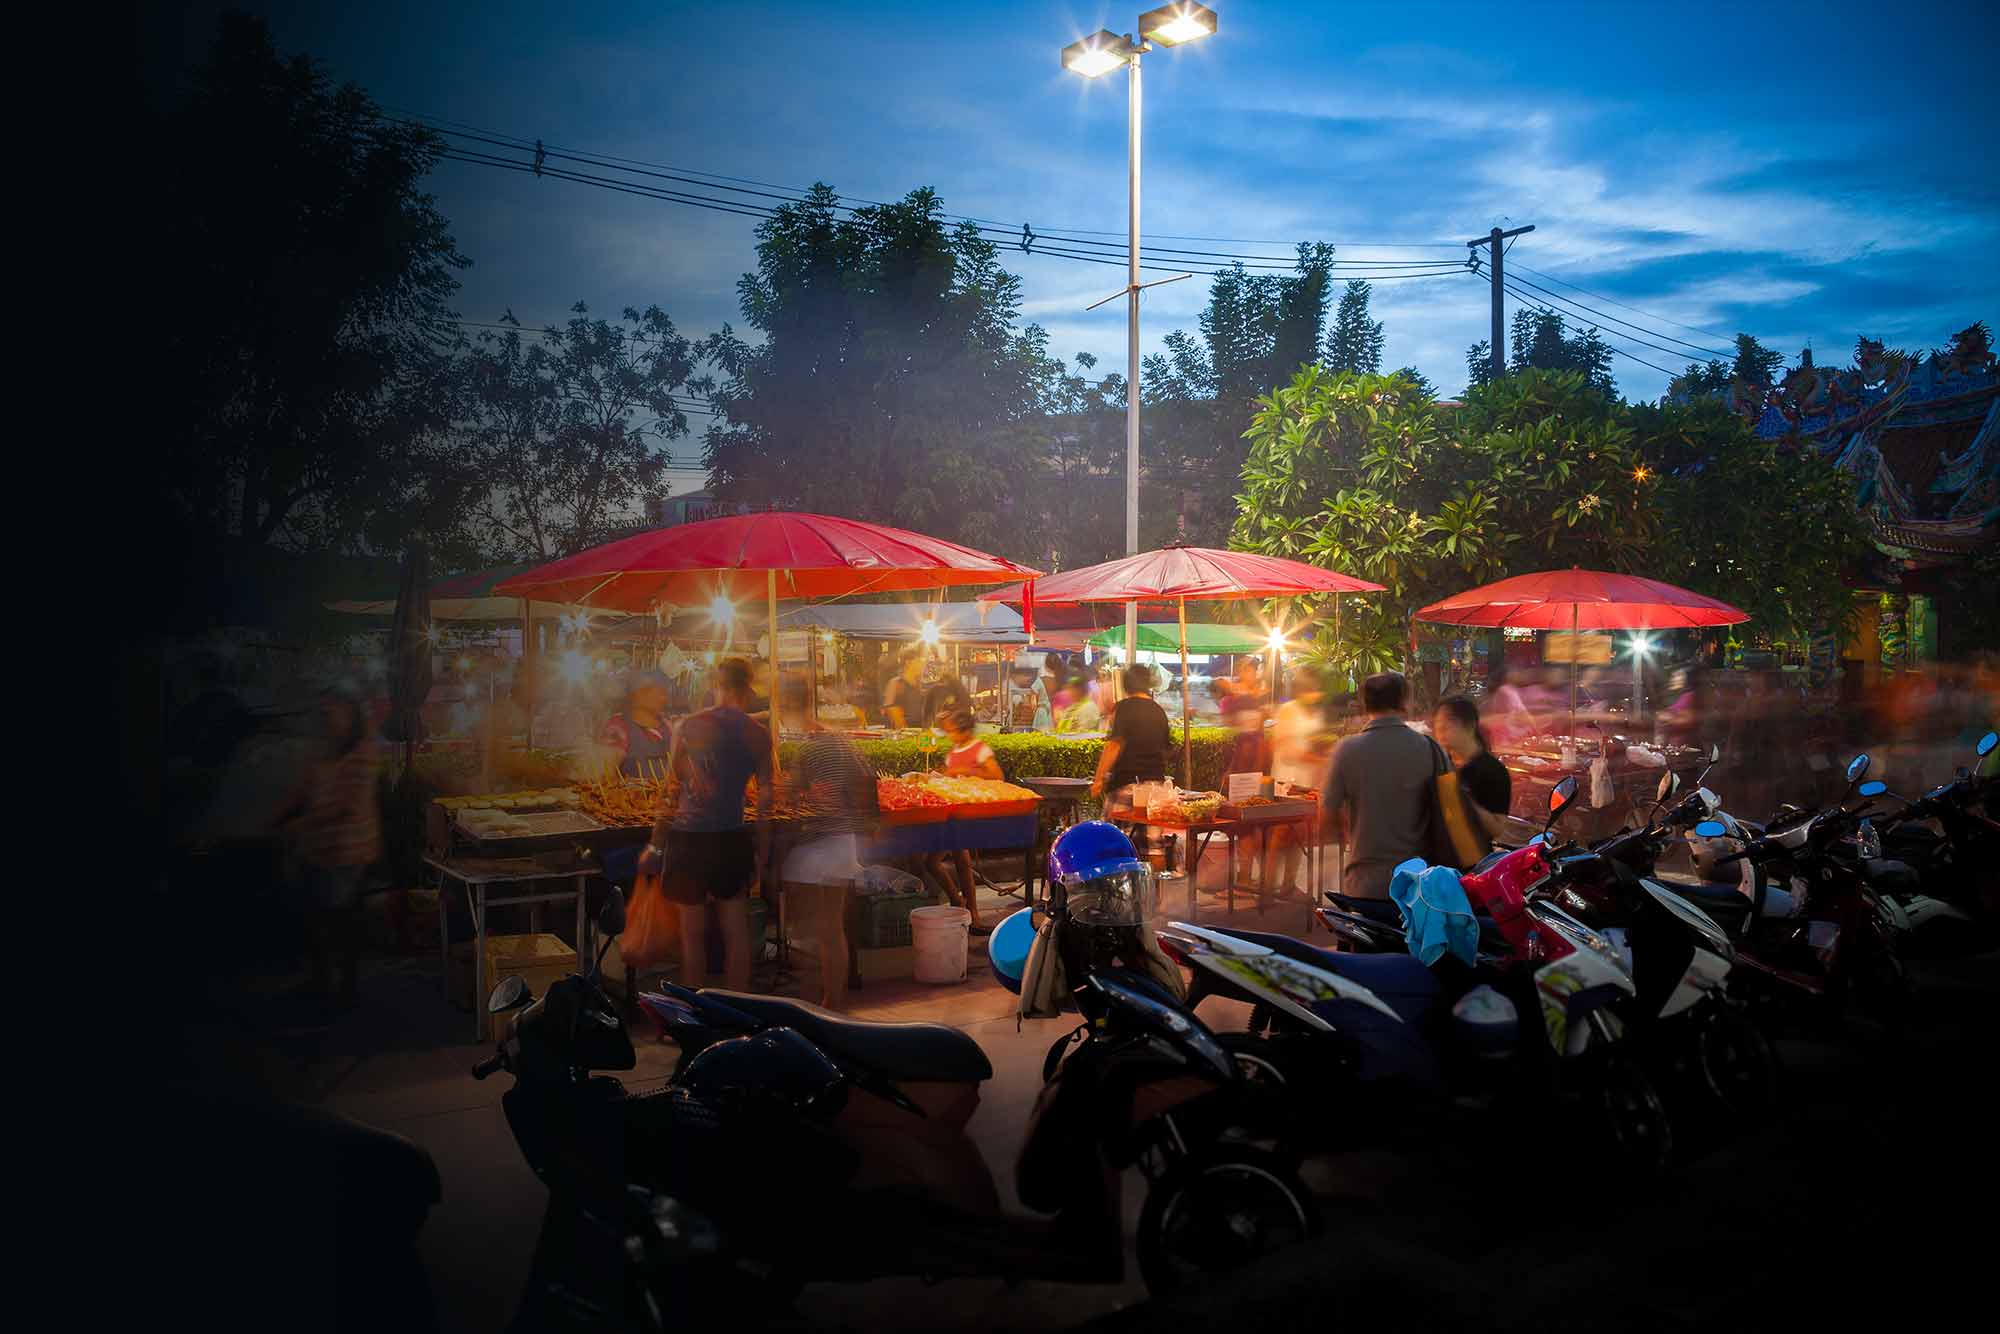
{"x":957,"y":622}
{"x":1201,"y":638}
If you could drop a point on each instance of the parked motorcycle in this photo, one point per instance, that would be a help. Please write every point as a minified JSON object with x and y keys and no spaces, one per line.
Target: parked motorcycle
{"x":1383,"y":1037}
{"x":824,"y":1148}
{"x":1950,"y":840}
{"x":1831,"y":941}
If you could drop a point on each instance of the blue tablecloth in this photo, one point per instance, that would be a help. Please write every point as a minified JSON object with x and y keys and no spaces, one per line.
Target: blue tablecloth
{"x":914,"y":840}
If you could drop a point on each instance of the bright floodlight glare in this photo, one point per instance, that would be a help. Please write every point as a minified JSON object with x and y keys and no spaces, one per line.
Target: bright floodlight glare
{"x":1172,"y":25}
{"x":1277,"y":640}
{"x":1099,"y":53}
{"x":930,"y":633}
{"x":722,"y":611}
{"x":1642,"y":645}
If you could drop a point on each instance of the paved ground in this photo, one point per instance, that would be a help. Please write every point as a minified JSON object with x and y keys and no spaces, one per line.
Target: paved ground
{"x":1840,"y":1201}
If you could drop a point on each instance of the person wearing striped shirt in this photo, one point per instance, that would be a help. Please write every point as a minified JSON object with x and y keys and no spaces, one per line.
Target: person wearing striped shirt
{"x":835,"y":785}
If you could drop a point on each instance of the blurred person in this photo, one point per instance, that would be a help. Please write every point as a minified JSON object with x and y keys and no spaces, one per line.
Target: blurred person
{"x":334,"y":835}
{"x":945,"y":695}
{"x":1243,"y":713}
{"x":1298,"y":757}
{"x":1028,"y":681}
{"x":902,"y":698}
{"x":1376,"y":797}
{"x":638,"y":737}
{"x":1083,"y":714}
{"x":969,"y":757}
{"x":834,"y":783}
{"x":705,"y":853}
{"x":1139,"y":740}
{"x":1455,"y":725}
{"x":1063,"y":697}
{"x":1504,"y":714}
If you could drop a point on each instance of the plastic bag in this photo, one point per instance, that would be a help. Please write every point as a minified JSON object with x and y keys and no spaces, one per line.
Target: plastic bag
{"x":651,"y":925}
{"x":1602,"y":792}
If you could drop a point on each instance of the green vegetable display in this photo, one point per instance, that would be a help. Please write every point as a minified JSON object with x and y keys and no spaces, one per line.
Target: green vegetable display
{"x":1036,"y":755}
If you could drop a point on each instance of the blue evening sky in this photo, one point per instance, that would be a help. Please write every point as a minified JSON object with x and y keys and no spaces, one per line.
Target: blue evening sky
{"x":1803,"y":172}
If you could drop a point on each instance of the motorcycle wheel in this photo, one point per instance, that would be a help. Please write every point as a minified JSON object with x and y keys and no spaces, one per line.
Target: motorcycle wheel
{"x":1631,"y":1115}
{"x":1219,"y":1210}
{"x":1738,"y":1066}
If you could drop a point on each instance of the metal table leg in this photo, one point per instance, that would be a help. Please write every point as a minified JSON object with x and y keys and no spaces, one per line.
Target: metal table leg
{"x":477,"y":893}
{"x":584,"y":954}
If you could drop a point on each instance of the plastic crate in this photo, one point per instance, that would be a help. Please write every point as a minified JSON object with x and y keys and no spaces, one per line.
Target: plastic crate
{"x":882,"y":921}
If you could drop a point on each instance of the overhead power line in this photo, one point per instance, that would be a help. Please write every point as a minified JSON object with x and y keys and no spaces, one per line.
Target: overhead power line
{"x":1530,"y":301}
{"x":1613,"y":301}
{"x":1613,"y":319}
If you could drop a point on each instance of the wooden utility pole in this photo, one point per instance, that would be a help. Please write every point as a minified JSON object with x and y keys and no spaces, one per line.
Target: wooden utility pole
{"x":1499,"y":340}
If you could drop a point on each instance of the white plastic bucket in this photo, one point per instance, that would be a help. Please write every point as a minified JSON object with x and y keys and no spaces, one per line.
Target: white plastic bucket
{"x":938,"y":937}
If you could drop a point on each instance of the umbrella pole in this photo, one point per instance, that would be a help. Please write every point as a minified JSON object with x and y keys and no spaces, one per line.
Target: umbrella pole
{"x":1574,"y":653}
{"x":1187,"y":719}
{"x":527,"y":664}
{"x":771,"y":594}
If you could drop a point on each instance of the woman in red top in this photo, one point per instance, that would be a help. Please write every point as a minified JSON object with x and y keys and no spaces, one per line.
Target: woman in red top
{"x":970,"y":757}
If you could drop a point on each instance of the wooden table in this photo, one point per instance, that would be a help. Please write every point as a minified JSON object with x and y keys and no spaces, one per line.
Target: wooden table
{"x":478,"y":875}
{"x":1305,"y":818}
{"x":1199,"y":834}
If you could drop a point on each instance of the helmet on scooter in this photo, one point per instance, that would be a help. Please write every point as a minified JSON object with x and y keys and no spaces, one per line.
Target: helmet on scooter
{"x":777,"y":1069}
{"x":1102,"y":879}
{"x":1009,"y":945}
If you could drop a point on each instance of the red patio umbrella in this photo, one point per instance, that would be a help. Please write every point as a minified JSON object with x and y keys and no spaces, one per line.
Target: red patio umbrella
{"x":1179,"y":574}
{"x":808,"y":555}
{"x":1579,"y":599}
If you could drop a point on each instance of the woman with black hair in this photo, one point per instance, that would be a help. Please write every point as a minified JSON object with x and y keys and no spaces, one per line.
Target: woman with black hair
{"x":1481,"y":777}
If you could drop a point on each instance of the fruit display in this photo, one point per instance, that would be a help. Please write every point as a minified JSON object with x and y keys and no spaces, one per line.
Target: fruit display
{"x":972,"y":791}
{"x":903,"y":794}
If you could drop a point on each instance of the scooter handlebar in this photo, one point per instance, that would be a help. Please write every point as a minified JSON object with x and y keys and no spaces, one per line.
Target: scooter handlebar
{"x":497,"y":1061}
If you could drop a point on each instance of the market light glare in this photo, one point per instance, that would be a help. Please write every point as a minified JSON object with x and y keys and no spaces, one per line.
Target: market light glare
{"x":1097,"y":54}
{"x":721,"y":610}
{"x":1176,"y":24}
{"x":574,"y":667}
{"x":1642,"y":646}
{"x":930,"y":633}
{"x":1276,"y":643}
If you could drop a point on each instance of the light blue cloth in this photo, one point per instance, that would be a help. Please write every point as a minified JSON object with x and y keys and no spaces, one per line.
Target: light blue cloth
{"x":1437,"y":916}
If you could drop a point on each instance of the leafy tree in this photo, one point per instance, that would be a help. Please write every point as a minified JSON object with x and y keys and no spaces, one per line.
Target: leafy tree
{"x":1355,"y":343}
{"x":1777,"y":534}
{"x":1256,"y":331}
{"x":1420,"y":380}
{"x":568,"y":427}
{"x":1541,"y":341}
{"x":1364,"y":474}
{"x":299,"y":393}
{"x":1749,"y":376}
{"x":889,"y":366}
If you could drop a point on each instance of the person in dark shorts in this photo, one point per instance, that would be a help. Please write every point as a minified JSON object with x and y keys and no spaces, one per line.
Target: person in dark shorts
{"x":1455,"y":726}
{"x":1135,"y":750}
{"x":903,"y":697}
{"x":702,"y":847}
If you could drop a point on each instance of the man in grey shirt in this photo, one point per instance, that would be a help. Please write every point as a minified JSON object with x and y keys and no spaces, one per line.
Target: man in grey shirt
{"x":1377,"y":795}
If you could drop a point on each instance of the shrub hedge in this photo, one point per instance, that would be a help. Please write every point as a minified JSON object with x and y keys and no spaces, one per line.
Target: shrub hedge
{"x":1037,"y":755}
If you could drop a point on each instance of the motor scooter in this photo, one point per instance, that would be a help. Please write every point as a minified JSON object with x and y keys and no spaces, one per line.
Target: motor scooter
{"x":1384,"y":1037}
{"x":1949,"y":839}
{"x":829,"y":1149}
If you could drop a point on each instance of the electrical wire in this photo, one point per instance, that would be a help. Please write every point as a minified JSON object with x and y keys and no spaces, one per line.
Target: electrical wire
{"x":1529,"y":301}
{"x":1637,"y":328}
{"x":1691,"y":328}
{"x":794,"y":194}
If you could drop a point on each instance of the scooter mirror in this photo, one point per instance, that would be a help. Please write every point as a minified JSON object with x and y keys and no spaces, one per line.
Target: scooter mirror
{"x":1874,"y":789}
{"x":611,"y":917}
{"x":1986,"y":744}
{"x":1670,"y":783}
{"x":1857,"y":768}
{"x":1560,"y":797}
{"x":1711,"y":829}
{"x":512,"y":993}
{"x":1715,"y":753}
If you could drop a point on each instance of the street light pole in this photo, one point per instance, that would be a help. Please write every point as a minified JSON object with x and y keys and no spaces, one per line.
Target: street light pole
{"x":1172,"y":24}
{"x":1132,"y":120}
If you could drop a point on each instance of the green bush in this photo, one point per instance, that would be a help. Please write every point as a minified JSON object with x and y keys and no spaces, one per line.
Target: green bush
{"x":1038,"y":755}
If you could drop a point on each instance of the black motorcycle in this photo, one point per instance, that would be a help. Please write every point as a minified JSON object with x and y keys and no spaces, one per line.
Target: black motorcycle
{"x":822,"y":1148}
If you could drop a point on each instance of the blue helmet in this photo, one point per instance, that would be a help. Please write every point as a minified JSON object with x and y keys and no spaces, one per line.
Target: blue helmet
{"x":1104,"y":879}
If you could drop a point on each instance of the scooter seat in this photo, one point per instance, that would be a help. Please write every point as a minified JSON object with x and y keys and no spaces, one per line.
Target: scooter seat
{"x":1402,"y":981}
{"x":1704,"y":892}
{"x":1892,"y":876}
{"x":895,"y":1051}
{"x":1375,"y":910}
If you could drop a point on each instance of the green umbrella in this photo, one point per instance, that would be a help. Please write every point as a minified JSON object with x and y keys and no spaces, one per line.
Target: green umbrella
{"x":1201,"y":638}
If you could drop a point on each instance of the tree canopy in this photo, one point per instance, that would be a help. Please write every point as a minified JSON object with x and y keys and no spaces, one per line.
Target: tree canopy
{"x":1541,"y":341}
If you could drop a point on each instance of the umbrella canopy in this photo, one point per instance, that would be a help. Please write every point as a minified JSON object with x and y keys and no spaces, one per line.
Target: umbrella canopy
{"x":1201,"y":638}
{"x":813,"y":556}
{"x":1182,"y":573}
{"x":1576,"y":599}
{"x":463,"y":597}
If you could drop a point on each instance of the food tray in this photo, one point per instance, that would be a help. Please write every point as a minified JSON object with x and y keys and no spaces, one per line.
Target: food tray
{"x":918,"y":815}
{"x":993,"y":810}
{"x":1280,"y":809}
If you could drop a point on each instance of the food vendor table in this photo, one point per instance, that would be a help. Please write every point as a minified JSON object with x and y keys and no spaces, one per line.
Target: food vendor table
{"x":994,"y":833}
{"x":1301,"y":813}
{"x":1199,"y":834}
{"x":480,"y":876}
